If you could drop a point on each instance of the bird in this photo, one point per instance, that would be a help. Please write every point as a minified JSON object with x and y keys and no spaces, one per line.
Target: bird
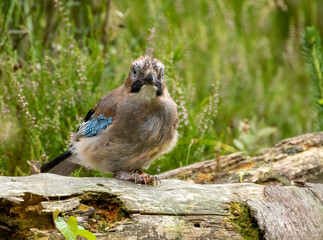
{"x":127,"y":129}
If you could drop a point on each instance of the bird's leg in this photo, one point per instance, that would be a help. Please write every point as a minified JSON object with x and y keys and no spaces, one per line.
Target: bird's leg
{"x":138,"y":176}
{"x":151,"y":179}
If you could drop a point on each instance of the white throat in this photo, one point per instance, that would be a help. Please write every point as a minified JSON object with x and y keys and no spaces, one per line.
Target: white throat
{"x":146,"y":93}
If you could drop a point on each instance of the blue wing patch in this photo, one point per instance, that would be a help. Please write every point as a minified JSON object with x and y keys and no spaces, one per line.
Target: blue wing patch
{"x":95,"y":126}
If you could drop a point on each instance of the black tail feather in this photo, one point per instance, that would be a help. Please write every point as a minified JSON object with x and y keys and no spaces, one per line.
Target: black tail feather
{"x":60,"y":165}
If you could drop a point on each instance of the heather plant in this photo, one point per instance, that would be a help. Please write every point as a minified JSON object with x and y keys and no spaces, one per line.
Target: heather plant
{"x":226,"y":61}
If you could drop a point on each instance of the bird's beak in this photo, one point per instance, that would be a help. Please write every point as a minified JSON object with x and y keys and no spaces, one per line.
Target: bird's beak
{"x":150,"y":79}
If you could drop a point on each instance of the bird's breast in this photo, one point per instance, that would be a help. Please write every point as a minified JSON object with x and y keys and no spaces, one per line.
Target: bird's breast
{"x":149,"y":125}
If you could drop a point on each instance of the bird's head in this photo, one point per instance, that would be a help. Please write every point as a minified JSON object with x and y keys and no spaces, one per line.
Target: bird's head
{"x":146,"y":78}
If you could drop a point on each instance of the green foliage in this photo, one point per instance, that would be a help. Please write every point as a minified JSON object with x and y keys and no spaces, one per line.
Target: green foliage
{"x":253,"y":138}
{"x":225,"y":61}
{"x":245,"y":224}
{"x":312,"y":47}
{"x":70,"y":229}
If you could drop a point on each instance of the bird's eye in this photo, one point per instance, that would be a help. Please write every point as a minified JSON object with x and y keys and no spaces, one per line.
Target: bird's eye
{"x":162,"y":73}
{"x":134,"y":72}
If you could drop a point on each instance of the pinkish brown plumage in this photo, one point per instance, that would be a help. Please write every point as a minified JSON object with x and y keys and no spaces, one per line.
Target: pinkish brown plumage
{"x":127,"y":129}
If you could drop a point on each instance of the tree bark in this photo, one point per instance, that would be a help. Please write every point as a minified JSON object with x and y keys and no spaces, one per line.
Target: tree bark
{"x":291,"y":160}
{"x":114,"y":209}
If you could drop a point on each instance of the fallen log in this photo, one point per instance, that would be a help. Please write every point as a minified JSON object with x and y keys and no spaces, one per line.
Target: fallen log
{"x":295,"y":159}
{"x":114,"y":209}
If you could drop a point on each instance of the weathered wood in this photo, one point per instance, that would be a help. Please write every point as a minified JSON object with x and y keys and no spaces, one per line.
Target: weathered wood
{"x":115,"y":209}
{"x":290,"y":205}
{"x":291,"y":160}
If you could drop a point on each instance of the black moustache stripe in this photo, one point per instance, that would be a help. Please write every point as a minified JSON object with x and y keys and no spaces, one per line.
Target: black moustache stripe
{"x":159,"y":90}
{"x":136,"y":86}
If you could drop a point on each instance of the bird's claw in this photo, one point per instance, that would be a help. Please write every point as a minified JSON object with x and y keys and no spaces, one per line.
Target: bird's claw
{"x":144,"y":178}
{"x":139,"y":176}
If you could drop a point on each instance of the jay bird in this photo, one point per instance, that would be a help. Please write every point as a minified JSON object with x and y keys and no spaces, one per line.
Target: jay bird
{"x":126,"y":129}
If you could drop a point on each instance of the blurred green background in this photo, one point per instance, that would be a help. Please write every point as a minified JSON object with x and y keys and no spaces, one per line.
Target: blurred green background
{"x":235,"y":68}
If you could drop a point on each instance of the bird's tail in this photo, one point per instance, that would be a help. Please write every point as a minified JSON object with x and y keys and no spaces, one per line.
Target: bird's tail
{"x":61,"y":165}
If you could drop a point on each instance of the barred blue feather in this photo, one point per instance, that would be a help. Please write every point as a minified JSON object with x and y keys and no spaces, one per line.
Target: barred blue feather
{"x":96,"y":125}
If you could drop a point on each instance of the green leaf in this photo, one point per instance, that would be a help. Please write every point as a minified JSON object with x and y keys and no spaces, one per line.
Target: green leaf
{"x":239,"y":144}
{"x":266,"y":131}
{"x":70,"y":229}
{"x":80,"y":227}
{"x":217,"y":143}
{"x":63,"y":227}
{"x":321,"y":101}
{"x":87,"y":234}
{"x":209,"y":142}
{"x":72,"y":226}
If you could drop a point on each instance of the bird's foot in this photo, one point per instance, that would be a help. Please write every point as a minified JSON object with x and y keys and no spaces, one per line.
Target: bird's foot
{"x":138,"y":176}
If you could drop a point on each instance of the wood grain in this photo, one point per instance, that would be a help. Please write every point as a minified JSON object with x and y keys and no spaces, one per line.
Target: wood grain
{"x":114,"y":209}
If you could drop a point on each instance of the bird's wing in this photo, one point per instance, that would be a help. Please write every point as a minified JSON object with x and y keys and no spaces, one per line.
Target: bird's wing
{"x":93,"y":126}
{"x":100,"y":116}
